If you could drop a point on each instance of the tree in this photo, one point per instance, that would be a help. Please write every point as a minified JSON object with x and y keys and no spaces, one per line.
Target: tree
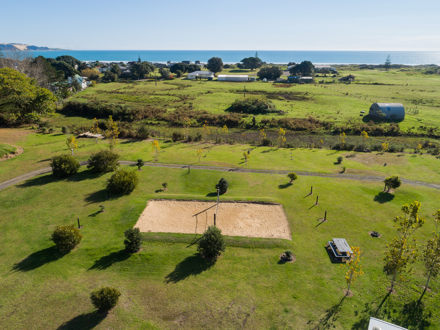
{"x":431,"y":260}
{"x":112,"y":132}
{"x":165,"y":73}
{"x":105,"y":298}
{"x":215,"y":64}
{"x":211,"y":244}
{"x":132,"y":240}
{"x":64,"y":166}
{"x":103,"y":161}
{"x":109,"y":76}
{"x":91,"y":74}
{"x":305,"y":68}
{"x":114,"y":68}
{"x":66,"y":238}
{"x":123,"y":181}
{"x":222,"y":186}
{"x":21,"y":99}
{"x":156,"y":148}
{"x":140,"y":69}
{"x":387,"y":63}
{"x":281,"y":137}
{"x":246,"y":156}
{"x":270,"y":72}
{"x":251,"y":63}
{"x":364,"y":136}
{"x":71,"y":143}
{"x":139,"y":164}
{"x":292,"y":176}
{"x":402,"y":251}
{"x":392,"y":182}
{"x":354,"y":268}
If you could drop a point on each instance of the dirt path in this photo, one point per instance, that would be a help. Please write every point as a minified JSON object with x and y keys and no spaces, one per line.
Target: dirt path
{"x":369,"y":178}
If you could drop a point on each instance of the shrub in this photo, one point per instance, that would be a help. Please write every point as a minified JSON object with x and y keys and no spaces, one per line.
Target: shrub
{"x":64,"y":166}
{"x":392,"y":182}
{"x":292,"y":176}
{"x":105,"y":298}
{"x":266,"y":142}
{"x":177,"y":136}
{"x":339,"y":160}
{"x":211,"y":244}
{"x":253,"y":105}
{"x":122,"y":182}
{"x":132,"y":240}
{"x":143,"y":133}
{"x":270,"y":72}
{"x":139,"y":164}
{"x":222,"y":186}
{"x":103,"y":161}
{"x":65,"y":130}
{"x":66,"y":238}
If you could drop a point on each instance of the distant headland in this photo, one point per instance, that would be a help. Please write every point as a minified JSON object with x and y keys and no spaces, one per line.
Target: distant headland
{"x":23,"y":47}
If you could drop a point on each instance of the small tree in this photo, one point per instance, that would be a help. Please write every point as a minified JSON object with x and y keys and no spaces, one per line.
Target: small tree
{"x":164,"y":186}
{"x":246,"y":157}
{"x":281,"y":137}
{"x":339,"y":160}
{"x":66,"y":238}
{"x":139,"y":164}
{"x":156,"y":148}
{"x":132,"y":240}
{"x":392,"y":182}
{"x":112,"y":132}
{"x":105,"y":298}
{"x":123,"y":181}
{"x":64,"y":166}
{"x":103,"y":161}
{"x":292,"y":176}
{"x":222,"y":186}
{"x":431,"y":259}
{"x":211,"y":244}
{"x":402,"y":251}
{"x":354,"y":268}
{"x":71,"y":143}
{"x":387,"y":64}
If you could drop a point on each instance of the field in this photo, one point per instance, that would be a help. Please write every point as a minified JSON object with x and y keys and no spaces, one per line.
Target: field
{"x":332,"y":102}
{"x":167,"y":284}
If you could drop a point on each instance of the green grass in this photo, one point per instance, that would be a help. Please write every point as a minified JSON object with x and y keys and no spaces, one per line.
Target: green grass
{"x":335,"y":102}
{"x":39,"y":148}
{"x":6,"y":149}
{"x":165,"y":285}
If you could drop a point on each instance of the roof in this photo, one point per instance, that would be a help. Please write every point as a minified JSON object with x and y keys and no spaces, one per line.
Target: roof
{"x":233,"y":75}
{"x":201,"y":72}
{"x":307,"y":78}
{"x":376,"y":324}
{"x":390,"y":105}
{"x":342,"y":245}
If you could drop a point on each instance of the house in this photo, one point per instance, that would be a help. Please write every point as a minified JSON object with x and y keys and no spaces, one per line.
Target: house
{"x":376,"y":324}
{"x":200,"y":75}
{"x":233,"y":77}
{"x":389,"y":111}
{"x":82,"y":81}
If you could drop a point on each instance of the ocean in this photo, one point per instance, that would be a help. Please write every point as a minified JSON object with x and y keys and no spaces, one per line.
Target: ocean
{"x":269,"y":56}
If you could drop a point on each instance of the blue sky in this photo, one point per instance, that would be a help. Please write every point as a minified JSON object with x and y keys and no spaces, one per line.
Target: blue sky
{"x":223,"y":24}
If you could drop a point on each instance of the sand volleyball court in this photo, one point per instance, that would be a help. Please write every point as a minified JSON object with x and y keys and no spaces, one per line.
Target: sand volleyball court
{"x":233,"y":218}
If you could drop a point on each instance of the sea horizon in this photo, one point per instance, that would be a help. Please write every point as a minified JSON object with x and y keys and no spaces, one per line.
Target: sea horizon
{"x":341,"y":57}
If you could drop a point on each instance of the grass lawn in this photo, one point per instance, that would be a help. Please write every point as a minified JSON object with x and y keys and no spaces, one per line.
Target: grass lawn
{"x":39,"y":148}
{"x":334,"y":102}
{"x":167,"y":286}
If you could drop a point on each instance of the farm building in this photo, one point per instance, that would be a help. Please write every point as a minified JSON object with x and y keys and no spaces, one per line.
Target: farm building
{"x":300,"y":80}
{"x":233,"y":77}
{"x":390,"y":111}
{"x":200,"y":75}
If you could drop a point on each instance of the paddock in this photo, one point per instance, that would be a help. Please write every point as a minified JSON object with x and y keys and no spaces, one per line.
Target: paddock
{"x":233,"y":218}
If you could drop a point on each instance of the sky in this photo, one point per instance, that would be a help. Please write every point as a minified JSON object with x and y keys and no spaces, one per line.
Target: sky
{"x":223,"y":24}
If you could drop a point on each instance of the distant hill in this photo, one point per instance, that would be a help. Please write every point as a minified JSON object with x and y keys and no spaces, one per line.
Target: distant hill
{"x":16,"y":46}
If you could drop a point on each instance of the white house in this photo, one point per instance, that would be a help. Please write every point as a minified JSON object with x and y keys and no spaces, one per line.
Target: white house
{"x":200,"y":75}
{"x":376,"y":324}
{"x":233,"y":77}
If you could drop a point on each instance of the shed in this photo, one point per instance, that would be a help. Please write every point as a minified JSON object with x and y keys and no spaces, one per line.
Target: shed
{"x":233,"y":77}
{"x":201,"y":75}
{"x":376,"y":324}
{"x":390,"y":111}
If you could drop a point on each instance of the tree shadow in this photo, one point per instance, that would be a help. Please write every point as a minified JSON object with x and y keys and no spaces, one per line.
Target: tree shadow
{"x":97,"y":196}
{"x":38,"y":259}
{"x":192,"y":265}
{"x":285,"y":185}
{"x":108,"y":260}
{"x":38,"y":181}
{"x":331,"y":315}
{"x":84,"y":175}
{"x":211,"y":194}
{"x":383,"y":197}
{"x":414,"y":315}
{"x":84,"y":321}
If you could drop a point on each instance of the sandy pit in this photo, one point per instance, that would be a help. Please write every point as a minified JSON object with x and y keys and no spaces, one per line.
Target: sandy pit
{"x":233,"y":218}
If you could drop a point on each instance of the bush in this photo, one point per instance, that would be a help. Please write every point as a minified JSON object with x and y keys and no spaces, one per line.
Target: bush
{"x":177,"y":136}
{"x":292,"y":176}
{"x":64,"y":166}
{"x":122,"y":182}
{"x":143,"y":133}
{"x":66,"y":238}
{"x":266,"y":142}
{"x":105,"y":298}
{"x":270,"y":72}
{"x":253,"y":105}
{"x":65,"y":130}
{"x":139,"y":164}
{"x":339,"y":160}
{"x":222,"y":186}
{"x":132,"y":240}
{"x":103,"y":161}
{"x":211,"y":244}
